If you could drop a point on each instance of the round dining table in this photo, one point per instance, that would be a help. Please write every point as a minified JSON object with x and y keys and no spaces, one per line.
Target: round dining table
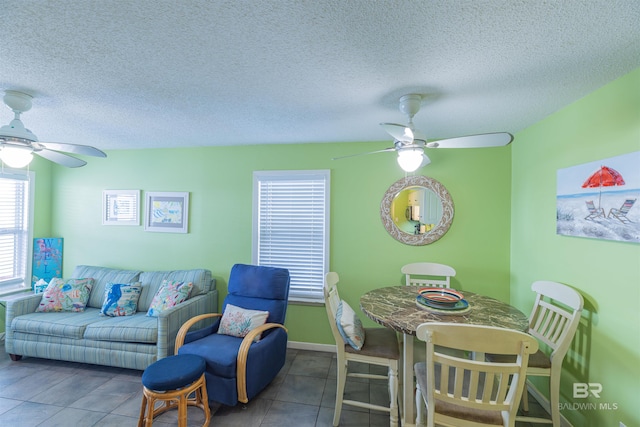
{"x":396,"y":307}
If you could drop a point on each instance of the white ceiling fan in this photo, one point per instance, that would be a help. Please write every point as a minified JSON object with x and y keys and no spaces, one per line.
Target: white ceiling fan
{"x":410,"y":144}
{"x":18,"y":144}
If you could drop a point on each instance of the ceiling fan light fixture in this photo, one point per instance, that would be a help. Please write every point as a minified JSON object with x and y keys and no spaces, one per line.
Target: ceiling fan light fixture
{"x":16,"y":157}
{"x":410,"y":159}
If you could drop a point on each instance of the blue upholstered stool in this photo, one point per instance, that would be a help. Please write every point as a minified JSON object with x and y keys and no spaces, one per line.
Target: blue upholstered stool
{"x":171,"y":380}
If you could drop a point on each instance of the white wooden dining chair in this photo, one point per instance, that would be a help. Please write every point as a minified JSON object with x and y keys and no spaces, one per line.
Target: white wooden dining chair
{"x":554,"y":320}
{"x":428,"y":274}
{"x":380,"y":348}
{"x":458,"y":391}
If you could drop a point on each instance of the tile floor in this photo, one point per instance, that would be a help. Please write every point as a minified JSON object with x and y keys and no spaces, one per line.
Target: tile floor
{"x":39,"y":392}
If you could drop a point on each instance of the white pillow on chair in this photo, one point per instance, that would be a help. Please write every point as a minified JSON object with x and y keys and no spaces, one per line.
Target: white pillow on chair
{"x":349,"y":326}
{"x":238,"y":321}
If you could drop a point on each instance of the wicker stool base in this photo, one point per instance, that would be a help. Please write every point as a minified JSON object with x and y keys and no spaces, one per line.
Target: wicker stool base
{"x":175,"y":399}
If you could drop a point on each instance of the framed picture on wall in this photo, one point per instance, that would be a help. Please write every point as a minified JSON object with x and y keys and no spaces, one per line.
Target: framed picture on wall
{"x":167,"y":212}
{"x":121,"y":207}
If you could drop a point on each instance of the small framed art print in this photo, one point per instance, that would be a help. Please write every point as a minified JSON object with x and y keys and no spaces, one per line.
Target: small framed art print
{"x":121,"y":207}
{"x":167,"y":212}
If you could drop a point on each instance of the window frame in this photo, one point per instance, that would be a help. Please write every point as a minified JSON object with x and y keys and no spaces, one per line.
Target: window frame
{"x":22,"y":282}
{"x":260,"y":177}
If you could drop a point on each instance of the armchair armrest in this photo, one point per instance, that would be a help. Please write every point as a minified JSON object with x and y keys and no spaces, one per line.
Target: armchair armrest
{"x":182,"y":332}
{"x":170,"y":321}
{"x":241,"y":361}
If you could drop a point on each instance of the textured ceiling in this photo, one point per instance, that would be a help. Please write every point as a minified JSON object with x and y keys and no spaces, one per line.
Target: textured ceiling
{"x":123,"y":74}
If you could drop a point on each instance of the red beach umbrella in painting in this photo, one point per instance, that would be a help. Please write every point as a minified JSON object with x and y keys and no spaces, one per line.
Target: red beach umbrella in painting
{"x":603,"y":177}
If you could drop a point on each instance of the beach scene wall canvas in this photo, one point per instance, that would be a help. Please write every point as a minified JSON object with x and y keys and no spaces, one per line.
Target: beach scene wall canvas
{"x":599,"y":199}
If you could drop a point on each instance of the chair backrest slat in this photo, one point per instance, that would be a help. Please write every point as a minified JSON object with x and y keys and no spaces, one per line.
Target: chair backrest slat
{"x":555,"y":315}
{"x":331,"y":302}
{"x":475,"y":384}
{"x":428,"y":274}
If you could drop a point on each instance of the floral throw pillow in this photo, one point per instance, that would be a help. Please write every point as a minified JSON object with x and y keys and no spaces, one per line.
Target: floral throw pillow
{"x":170,"y":294}
{"x":61,"y":295}
{"x":238,"y":322}
{"x":121,"y":299}
{"x":349,"y":326}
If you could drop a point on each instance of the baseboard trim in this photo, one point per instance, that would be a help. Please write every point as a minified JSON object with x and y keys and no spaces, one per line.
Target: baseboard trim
{"x":544,"y":402}
{"x":299,"y":345}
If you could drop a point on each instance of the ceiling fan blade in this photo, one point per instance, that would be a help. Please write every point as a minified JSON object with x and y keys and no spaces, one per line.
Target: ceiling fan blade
{"x":86,"y":150}
{"x":398,"y":132}
{"x":60,"y":158}
{"x":386,"y":150}
{"x":484,"y":140}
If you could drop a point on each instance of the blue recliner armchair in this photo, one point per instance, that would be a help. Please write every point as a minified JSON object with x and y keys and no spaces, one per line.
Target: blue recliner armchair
{"x":239,"y":368}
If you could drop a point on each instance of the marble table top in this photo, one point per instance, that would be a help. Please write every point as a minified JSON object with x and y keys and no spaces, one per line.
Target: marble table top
{"x":395,"y":307}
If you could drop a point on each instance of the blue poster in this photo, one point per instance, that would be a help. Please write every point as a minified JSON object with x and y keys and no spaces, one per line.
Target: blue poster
{"x":47,"y":259}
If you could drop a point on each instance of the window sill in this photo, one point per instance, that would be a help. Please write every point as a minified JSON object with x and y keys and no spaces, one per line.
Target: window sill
{"x":314,"y":303}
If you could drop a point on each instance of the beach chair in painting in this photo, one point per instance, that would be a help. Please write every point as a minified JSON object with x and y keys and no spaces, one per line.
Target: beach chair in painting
{"x":621,"y":214}
{"x":593,"y":211}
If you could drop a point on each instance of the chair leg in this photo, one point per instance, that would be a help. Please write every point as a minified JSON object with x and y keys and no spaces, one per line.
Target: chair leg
{"x":525,"y":398}
{"x":204,"y":400}
{"x":419,"y":407}
{"x":393,"y":395}
{"x":148,"y":419}
{"x":143,"y":408}
{"x":340,"y":380}
{"x":182,"y":411}
{"x":554,"y":400}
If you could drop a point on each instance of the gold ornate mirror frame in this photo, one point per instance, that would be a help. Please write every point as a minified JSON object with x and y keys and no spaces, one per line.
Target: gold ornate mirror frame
{"x":438,"y":229}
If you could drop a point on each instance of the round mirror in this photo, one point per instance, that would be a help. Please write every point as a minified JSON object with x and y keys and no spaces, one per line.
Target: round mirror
{"x":416,"y":210}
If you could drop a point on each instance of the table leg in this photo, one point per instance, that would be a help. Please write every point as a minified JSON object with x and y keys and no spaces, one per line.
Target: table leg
{"x":408,"y":402}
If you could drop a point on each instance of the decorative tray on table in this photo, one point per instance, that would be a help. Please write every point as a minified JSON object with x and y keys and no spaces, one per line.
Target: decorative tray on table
{"x":442,"y":301}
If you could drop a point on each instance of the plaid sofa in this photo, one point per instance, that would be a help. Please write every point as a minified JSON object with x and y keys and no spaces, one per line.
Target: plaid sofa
{"x":132,"y":342}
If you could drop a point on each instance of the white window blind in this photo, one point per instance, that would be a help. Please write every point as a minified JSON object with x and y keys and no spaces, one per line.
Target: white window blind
{"x":15,"y":230}
{"x":291,"y":227}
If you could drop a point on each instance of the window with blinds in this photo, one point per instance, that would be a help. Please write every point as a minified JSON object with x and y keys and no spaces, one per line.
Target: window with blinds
{"x":291,"y":227}
{"x":16,"y":204}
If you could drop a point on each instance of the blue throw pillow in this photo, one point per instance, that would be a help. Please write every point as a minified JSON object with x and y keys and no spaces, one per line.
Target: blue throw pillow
{"x":349,"y":326}
{"x":121,"y":299}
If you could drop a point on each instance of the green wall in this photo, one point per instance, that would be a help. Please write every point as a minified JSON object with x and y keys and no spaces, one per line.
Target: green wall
{"x":220,"y":182}
{"x":606,"y":350}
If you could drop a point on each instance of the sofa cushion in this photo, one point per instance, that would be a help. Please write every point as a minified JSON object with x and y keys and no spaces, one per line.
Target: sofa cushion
{"x":70,"y":295}
{"x":170,"y":294}
{"x":137,"y":328}
{"x":78,"y":347}
{"x":102,"y":276}
{"x":152,"y":280}
{"x":121,"y":299}
{"x":60,"y":324}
